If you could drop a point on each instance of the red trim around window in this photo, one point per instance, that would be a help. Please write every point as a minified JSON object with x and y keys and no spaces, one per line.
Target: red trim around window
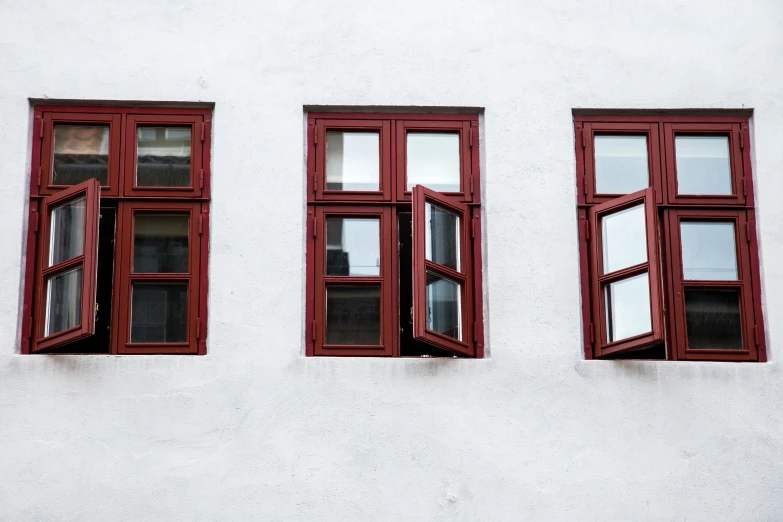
{"x":670,"y":208}
{"x":122,"y":121}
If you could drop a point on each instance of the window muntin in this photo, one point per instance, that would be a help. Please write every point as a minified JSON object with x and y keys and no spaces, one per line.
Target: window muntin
{"x":709,"y":275}
{"x":87,"y":291}
{"x":342,"y":247}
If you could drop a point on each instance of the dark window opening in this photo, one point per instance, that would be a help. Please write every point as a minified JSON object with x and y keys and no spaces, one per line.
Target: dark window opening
{"x":410,"y":347}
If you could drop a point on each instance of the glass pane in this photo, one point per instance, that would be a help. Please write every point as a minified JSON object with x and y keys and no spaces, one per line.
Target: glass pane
{"x":708,"y":251}
{"x":63,"y":301}
{"x":433,"y":161}
{"x":159,"y":313}
{"x":621,"y":165}
{"x":353,"y":315}
{"x":160,"y":242}
{"x":163,"y":157}
{"x":353,"y":247}
{"x":624,"y":237}
{"x":444,"y":306}
{"x":66,"y":237}
{"x":81,"y":152}
{"x":713,"y":319}
{"x":353,"y":161}
{"x":441,"y":237}
{"x":703,"y":165}
{"x":628,"y":308}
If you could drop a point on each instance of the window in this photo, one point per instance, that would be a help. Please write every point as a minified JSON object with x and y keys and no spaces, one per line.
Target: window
{"x":393,"y":254}
{"x":118,"y":231}
{"x":669,"y":258}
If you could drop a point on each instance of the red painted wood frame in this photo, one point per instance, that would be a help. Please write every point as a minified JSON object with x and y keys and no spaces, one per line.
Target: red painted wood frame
{"x":384,"y":281}
{"x":461,"y":275}
{"x":588,"y":132}
{"x":743,"y":284}
{"x":123,"y":296}
{"x":465,"y":132}
{"x":735,"y":134}
{"x":319,"y":141}
{"x":86,"y":261}
{"x":467,"y":126}
{"x":669,"y":123}
{"x":44,"y":173}
{"x":42,"y":149}
{"x":651,"y":267}
{"x":197,"y":128}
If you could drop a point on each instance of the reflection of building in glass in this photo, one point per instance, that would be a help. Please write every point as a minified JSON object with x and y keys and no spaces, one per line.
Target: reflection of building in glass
{"x":81,"y":152}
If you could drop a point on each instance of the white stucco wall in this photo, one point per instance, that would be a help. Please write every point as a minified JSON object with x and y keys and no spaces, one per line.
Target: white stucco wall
{"x":256,"y":431}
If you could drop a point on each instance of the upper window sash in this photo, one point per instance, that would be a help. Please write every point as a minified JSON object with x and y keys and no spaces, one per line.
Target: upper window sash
{"x":67,"y":266}
{"x":77,"y":146}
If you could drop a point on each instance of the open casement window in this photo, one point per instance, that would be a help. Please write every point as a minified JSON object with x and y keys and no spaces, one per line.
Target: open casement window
{"x":68,"y":251}
{"x":442,"y":290}
{"x":626,"y":274}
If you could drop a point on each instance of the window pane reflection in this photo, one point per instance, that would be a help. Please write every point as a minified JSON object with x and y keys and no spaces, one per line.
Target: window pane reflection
{"x":433,"y":161}
{"x":352,"y":161}
{"x":441,"y":236}
{"x":159,"y":313}
{"x":163,"y":157}
{"x":621,"y":165}
{"x":627,"y":308}
{"x":353,"y":315}
{"x":63,"y":302}
{"x":624,"y":237}
{"x":708,"y":251}
{"x":160,"y":242}
{"x":444,"y":306}
{"x":713,"y":319}
{"x":81,"y":152}
{"x":67,"y":231}
{"x":703,"y":165}
{"x":353,"y":247}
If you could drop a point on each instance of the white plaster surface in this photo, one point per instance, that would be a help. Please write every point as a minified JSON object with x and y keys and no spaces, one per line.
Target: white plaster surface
{"x":256,"y":431}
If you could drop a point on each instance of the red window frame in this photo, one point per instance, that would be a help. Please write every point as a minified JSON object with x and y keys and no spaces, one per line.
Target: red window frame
{"x":87,"y":261}
{"x":668,"y":210}
{"x":388,"y":203}
{"x":122,"y":195}
{"x":600,"y":279}
{"x":48,"y":120}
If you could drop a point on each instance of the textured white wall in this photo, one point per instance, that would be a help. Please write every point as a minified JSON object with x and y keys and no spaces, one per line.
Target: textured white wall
{"x":255,"y":430}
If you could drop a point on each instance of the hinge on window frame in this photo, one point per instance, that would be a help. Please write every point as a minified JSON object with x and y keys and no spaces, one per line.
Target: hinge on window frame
{"x":315,"y":181}
{"x":30,"y":326}
{"x":584,"y":139}
{"x":592,"y":334}
{"x":315,"y":226}
{"x":587,"y":229}
{"x":747,"y":231}
{"x":198,"y":329}
{"x":201,"y":178}
{"x":315,"y":136}
{"x":200,"y":223}
{"x":40,"y":127}
{"x":742,"y":138}
{"x":39,"y":175}
{"x":744,"y":186}
{"x":34,"y":218}
{"x":584,"y":185}
{"x":471,"y":184}
{"x":312,"y":332}
{"x":470,"y":138}
{"x":473,"y":228}
{"x":202,"y":130}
